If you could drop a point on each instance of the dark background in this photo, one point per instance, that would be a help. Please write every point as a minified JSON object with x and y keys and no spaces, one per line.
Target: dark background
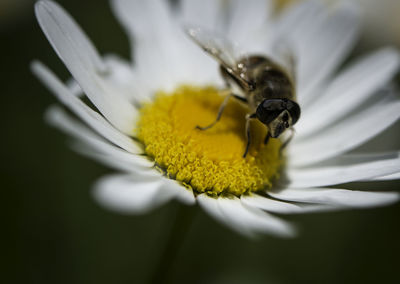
{"x":54,"y":232}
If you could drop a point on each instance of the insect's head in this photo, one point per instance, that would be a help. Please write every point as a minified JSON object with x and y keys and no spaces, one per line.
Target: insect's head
{"x":278,"y":115}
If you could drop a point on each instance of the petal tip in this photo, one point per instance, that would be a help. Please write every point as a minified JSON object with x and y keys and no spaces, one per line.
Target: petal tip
{"x":43,"y":6}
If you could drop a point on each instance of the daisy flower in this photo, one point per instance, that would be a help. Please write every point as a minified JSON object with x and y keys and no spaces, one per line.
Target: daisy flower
{"x":142,"y":115}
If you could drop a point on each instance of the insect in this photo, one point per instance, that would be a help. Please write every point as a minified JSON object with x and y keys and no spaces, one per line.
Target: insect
{"x":265,"y":86}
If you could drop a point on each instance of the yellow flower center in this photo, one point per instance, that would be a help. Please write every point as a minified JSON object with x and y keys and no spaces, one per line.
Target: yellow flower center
{"x":207,"y":160}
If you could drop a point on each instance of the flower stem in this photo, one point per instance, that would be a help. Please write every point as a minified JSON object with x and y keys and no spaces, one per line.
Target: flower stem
{"x":184,"y":217}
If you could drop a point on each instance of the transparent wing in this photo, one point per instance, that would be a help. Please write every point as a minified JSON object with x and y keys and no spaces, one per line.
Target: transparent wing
{"x":222,"y":50}
{"x":285,"y":54}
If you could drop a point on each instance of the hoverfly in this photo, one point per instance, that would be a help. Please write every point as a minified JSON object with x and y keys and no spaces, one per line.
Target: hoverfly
{"x":265,"y":86}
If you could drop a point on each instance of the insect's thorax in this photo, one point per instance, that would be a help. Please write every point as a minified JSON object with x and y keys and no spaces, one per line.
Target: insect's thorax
{"x":269,"y":79}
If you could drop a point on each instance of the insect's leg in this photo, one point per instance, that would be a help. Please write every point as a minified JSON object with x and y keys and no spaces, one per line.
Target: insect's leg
{"x":220,"y":111}
{"x":228,"y":84}
{"x":240,"y":98}
{"x":248,"y":118}
{"x":266,"y":139}
{"x":287,"y":141}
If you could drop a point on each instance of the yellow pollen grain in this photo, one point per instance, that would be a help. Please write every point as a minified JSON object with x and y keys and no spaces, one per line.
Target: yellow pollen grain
{"x":207,"y":160}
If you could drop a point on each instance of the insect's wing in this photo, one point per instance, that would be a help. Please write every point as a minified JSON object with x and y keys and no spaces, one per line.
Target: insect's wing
{"x":222,"y":50}
{"x":285,"y":52}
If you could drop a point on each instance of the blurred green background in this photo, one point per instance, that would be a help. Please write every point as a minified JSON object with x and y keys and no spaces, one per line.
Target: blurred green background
{"x":54,"y":232}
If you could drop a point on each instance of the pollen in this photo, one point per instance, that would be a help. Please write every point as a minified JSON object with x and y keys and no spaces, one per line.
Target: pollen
{"x":211,"y":160}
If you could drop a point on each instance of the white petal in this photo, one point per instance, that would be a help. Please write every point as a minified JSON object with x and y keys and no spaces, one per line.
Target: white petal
{"x":74,"y":87}
{"x":308,"y":30}
{"x":184,"y":195}
{"x":206,"y":13}
{"x":51,"y":13}
{"x":81,"y":59}
{"x":349,"y":90}
{"x":298,"y":19}
{"x":121,"y":165}
{"x":347,"y":168}
{"x":143,"y":20}
{"x":92,"y":118}
{"x":286,"y":33}
{"x":131,"y":194}
{"x":321,"y":51}
{"x":245,"y":220}
{"x":117,"y":158}
{"x":244,"y":17}
{"x":126,"y":80}
{"x":164,"y":56}
{"x":386,"y":177}
{"x":210,"y":205}
{"x":280,"y":207}
{"x":157,"y":52}
{"x":337,"y":197}
{"x":95,"y":147}
{"x":346,"y":134}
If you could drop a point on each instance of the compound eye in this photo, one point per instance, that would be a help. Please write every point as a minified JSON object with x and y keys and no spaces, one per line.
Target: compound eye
{"x":294,"y":110}
{"x":274,"y":104}
{"x":268,"y":110}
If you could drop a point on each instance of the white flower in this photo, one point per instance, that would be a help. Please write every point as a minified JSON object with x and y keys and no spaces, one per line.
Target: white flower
{"x":339,"y":112}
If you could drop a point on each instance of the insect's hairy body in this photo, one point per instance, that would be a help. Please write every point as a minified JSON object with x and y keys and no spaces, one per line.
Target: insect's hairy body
{"x":268,"y":80}
{"x":262,"y":84}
